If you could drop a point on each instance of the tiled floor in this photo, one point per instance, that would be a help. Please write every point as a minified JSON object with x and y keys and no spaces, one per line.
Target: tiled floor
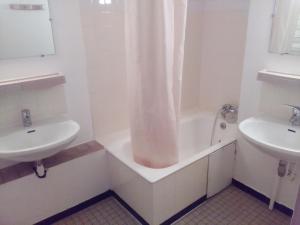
{"x":230,"y":207}
{"x":234,"y":207}
{"x":106,"y":212}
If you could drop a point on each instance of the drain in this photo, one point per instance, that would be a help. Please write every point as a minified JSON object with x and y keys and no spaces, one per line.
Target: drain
{"x":223,"y":125}
{"x":30,"y":131}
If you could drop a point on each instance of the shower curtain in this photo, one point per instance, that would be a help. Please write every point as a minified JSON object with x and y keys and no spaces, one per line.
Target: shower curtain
{"x":155,"y":33}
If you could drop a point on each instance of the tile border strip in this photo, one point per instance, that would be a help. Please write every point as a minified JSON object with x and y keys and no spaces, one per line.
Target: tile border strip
{"x":287,"y":211}
{"x":20,"y":170}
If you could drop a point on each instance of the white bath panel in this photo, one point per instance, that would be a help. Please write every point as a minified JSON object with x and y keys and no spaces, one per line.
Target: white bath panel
{"x":220,"y":172}
{"x":131,"y":187}
{"x":158,"y":194}
{"x":164,"y":196}
{"x":191,"y":184}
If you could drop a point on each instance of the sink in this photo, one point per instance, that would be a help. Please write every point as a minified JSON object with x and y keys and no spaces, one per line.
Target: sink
{"x":37,"y":142}
{"x":273,"y":136}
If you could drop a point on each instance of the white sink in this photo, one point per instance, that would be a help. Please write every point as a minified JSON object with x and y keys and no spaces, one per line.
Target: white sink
{"x":37,"y":142}
{"x":273,"y":136}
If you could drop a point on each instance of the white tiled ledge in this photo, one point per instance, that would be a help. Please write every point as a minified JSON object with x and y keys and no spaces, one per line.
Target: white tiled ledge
{"x":40,"y":81}
{"x":271,"y":76}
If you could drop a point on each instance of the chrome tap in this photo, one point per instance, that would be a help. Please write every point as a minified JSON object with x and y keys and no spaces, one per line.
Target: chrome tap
{"x":26,"y":118}
{"x":295,"y":118}
{"x":229,"y":113}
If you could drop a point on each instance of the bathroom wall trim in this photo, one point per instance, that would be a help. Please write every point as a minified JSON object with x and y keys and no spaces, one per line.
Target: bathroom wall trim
{"x":110,"y":193}
{"x":185,"y":211}
{"x":75,"y":209}
{"x":68,"y":212}
{"x":171,"y":220}
{"x":129,"y":209}
{"x":261,"y":197}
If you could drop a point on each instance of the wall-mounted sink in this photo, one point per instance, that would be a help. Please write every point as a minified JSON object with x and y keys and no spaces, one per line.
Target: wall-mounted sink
{"x":273,"y":136}
{"x":37,"y":142}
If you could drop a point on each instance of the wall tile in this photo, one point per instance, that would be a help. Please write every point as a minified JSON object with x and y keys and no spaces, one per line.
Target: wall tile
{"x":42,"y":103}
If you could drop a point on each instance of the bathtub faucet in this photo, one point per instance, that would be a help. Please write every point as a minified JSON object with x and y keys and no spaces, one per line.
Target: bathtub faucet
{"x":229,"y":113}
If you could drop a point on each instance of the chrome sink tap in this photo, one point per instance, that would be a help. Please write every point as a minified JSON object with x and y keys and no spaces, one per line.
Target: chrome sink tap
{"x":26,"y":118}
{"x":295,"y":119}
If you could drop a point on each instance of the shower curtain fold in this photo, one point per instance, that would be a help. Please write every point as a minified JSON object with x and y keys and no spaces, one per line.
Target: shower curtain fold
{"x":155,"y":33}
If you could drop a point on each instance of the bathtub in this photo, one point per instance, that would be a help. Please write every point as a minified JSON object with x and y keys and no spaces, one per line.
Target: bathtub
{"x":202,"y":170}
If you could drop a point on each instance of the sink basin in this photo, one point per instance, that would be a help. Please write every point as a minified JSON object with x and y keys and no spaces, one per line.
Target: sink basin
{"x":37,"y":142}
{"x":273,"y":136}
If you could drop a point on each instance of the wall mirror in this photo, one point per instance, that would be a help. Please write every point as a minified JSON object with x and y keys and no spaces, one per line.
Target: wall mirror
{"x":285,"y":35}
{"x":25,"y":29}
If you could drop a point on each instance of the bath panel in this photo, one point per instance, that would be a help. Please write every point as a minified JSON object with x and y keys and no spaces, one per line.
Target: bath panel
{"x":159,"y":194}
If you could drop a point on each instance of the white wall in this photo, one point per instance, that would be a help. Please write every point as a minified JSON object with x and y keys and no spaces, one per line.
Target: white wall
{"x":254,"y":168}
{"x":69,"y":59}
{"x":103,"y":29}
{"x":215,"y":46}
{"x":14,"y":99}
{"x":223,"y":41}
{"x":192,"y":65}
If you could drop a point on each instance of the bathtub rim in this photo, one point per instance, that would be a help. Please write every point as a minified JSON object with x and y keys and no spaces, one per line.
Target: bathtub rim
{"x":112,"y":138}
{"x":155,"y":175}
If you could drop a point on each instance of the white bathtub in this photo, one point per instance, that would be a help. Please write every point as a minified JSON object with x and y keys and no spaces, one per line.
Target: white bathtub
{"x":158,"y":194}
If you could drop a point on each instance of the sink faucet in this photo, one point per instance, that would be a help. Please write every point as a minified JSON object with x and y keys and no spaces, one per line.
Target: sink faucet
{"x":26,"y":118}
{"x":295,"y":119}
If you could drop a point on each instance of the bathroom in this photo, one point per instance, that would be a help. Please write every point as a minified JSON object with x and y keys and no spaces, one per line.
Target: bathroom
{"x":70,"y":81}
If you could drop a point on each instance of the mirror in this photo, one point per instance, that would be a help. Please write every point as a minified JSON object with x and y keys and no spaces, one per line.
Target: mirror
{"x":285,"y":37}
{"x":25,"y":29}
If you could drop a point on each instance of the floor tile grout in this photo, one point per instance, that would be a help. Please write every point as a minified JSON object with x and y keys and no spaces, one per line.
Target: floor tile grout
{"x":230,"y":207}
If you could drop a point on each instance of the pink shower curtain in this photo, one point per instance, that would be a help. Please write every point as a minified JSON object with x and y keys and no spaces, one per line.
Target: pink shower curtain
{"x":155,"y":33}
